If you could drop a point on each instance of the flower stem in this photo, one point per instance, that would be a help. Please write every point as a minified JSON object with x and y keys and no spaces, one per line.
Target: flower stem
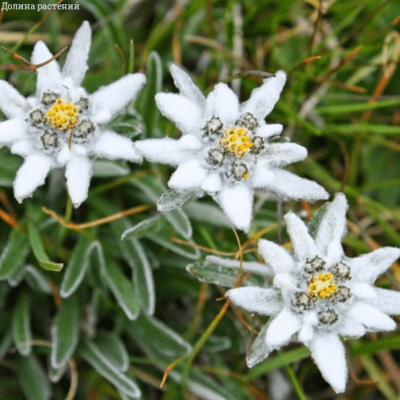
{"x":200,"y":343}
{"x":296,"y":384}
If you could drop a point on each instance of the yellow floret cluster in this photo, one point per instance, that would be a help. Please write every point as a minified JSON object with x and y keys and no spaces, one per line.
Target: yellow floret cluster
{"x":322,"y":285}
{"x":236,"y":142}
{"x":62,"y":115}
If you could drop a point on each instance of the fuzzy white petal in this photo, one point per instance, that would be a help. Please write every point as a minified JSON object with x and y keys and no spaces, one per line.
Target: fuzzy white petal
{"x":371,"y":317}
{"x":368,"y":267}
{"x":275,"y":256}
{"x":101,"y":117}
{"x":22,"y":147}
{"x":306,"y":333}
{"x":186,"y":86}
{"x":268,"y":130}
{"x":334,"y":252}
{"x":48,"y":77}
{"x":237,"y":203}
{"x":78,"y":173}
{"x":223,"y":103}
{"x":185,"y":114}
{"x":190,"y":142}
{"x":258,"y":351}
{"x":248,"y":266}
{"x":281,"y":329}
{"x":80,"y":149}
{"x":113,"y":146}
{"x":388,"y":301}
{"x":115,"y":96}
{"x":255,"y":299}
{"x":165,"y":151}
{"x":289,"y":186}
{"x":362,"y":290}
{"x":11,"y":102}
{"x":64,"y":154}
{"x":263,"y":99}
{"x":329,"y":355}
{"x":189,"y":175}
{"x":285,"y":281}
{"x":281,"y":154}
{"x":302,"y":243}
{"x":12,"y":130}
{"x":75,"y":65}
{"x":333,"y":224}
{"x":261,"y":177}
{"x":31,"y":175}
{"x":212,"y":183}
{"x":351,"y":328}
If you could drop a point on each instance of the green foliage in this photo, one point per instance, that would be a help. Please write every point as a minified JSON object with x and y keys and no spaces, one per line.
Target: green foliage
{"x":117,"y":312}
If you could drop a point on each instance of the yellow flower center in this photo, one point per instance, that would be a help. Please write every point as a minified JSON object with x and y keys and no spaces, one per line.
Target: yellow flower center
{"x":236,"y":142}
{"x":62,"y":115}
{"x":322,"y":285}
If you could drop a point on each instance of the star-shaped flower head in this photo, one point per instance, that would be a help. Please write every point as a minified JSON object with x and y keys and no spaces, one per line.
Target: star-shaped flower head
{"x":225,"y":148}
{"x":320,"y":294}
{"x":61,"y":125}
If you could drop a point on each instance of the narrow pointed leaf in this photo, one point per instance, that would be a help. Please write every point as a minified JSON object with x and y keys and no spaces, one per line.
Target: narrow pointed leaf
{"x":55,"y":374}
{"x":21,"y":326}
{"x":150,"y":225}
{"x":172,"y":199}
{"x":142,"y":274}
{"x":78,"y":265}
{"x":100,"y":362}
{"x":114,"y":349}
{"x":36,"y":280}
{"x":32,"y":378}
{"x":177,"y":218}
{"x":13,"y":256}
{"x":122,"y":288}
{"x":65,"y":332}
{"x":157,"y":337}
{"x":146,"y":104}
{"x":38,"y":249}
{"x":5,"y":343}
{"x":16,"y":276}
{"x":202,"y":386}
{"x":212,"y":272}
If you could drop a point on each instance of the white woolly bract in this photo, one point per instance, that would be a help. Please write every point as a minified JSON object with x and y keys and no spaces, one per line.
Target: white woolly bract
{"x":189,"y":175}
{"x":371,"y":317}
{"x":237,"y":203}
{"x":281,"y":329}
{"x":185,"y":114}
{"x":78,"y":174}
{"x":275,"y":256}
{"x":254,"y":299}
{"x":31,"y":174}
{"x":302,"y":243}
{"x":113,"y":146}
{"x":368,"y":267}
{"x":329,"y":355}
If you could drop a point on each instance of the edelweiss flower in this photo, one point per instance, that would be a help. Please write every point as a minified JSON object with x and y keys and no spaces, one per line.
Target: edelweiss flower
{"x":61,"y":124}
{"x":225,"y":148}
{"x":319,"y":294}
